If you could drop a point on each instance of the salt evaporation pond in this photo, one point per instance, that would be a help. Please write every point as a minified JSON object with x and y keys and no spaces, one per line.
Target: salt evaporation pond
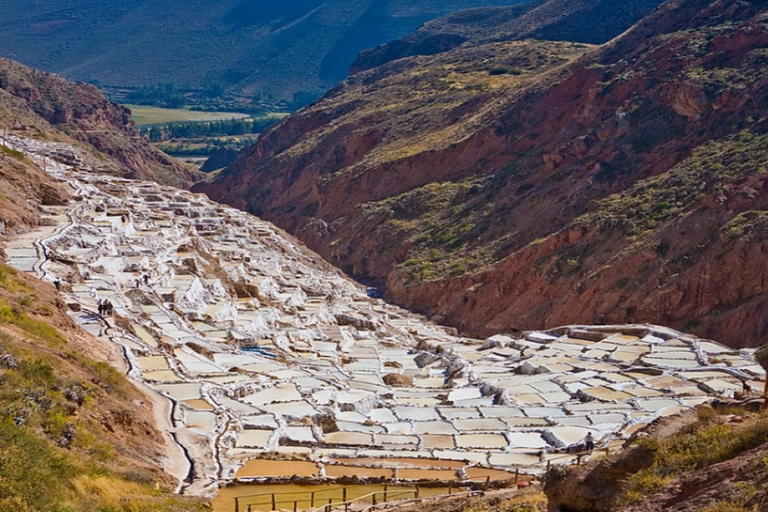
{"x":271,"y":354}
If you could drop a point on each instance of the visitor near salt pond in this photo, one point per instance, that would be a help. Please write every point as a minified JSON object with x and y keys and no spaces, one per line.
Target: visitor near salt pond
{"x":269,"y":353}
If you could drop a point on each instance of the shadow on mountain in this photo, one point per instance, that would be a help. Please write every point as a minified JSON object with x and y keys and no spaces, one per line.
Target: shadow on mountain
{"x":255,"y":13}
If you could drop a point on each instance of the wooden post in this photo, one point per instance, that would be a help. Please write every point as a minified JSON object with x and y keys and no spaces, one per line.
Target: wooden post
{"x":295,"y":506}
{"x":385,"y":492}
{"x":330,"y":504}
{"x":450,"y":487}
{"x":312,"y":500}
{"x":344,"y":499}
{"x":237,"y":504}
{"x":274,"y":504}
{"x":373,"y":499}
{"x":417,"y":491}
{"x":517,"y":475}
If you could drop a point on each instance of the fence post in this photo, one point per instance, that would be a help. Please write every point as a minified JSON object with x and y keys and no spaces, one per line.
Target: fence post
{"x":312,"y":500}
{"x":517,"y":474}
{"x":344,"y":499}
{"x":295,"y":506}
{"x":374,"y":499}
{"x":274,"y":504}
{"x":385,"y":492}
{"x":417,"y":491}
{"x":450,"y":487}
{"x":330,"y":505}
{"x":237,"y":504}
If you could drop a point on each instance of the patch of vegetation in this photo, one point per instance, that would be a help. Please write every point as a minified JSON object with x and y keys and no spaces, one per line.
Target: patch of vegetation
{"x":651,"y":202}
{"x":191,"y":129}
{"x":163,"y":95}
{"x":708,"y":441}
{"x":35,"y":328}
{"x":18,"y":155}
{"x":447,"y":224}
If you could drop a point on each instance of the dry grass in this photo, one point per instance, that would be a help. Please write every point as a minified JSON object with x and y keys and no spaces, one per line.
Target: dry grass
{"x":57,"y":452}
{"x":708,"y":441}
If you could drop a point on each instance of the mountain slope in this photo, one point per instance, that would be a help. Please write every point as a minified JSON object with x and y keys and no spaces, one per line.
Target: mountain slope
{"x":42,"y":102}
{"x":496,"y":188}
{"x":708,"y":459}
{"x":278,"y":48}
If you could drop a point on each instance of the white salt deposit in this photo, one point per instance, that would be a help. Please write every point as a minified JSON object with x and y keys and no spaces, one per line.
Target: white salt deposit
{"x":307,"y":345}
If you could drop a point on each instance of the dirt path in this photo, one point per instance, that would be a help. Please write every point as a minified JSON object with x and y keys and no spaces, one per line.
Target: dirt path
{"x":103,"y":348}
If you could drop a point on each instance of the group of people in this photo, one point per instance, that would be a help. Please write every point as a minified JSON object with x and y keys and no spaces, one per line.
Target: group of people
{"x":105,"y":307}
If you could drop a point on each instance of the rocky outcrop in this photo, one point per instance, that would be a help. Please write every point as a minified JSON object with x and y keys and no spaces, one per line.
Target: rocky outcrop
{"x":736,"y":477}
{"x":521,"y":191}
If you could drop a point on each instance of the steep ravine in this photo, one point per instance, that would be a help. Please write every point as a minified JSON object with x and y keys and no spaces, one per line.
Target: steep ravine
{"x":496,"y":202}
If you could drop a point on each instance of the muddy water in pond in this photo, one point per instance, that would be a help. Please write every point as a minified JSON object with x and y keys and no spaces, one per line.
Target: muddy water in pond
{"x":277,"y":468}
{"x":285,"y":495}
{"x":199,"y":404}
{"x":333,"y":471}
{"x":401,"y":462}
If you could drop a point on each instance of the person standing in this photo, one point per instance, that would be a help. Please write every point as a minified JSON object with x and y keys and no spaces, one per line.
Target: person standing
{"x":589,"y":442}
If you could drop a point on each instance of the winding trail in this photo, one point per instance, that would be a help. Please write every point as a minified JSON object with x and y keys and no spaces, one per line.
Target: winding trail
{"x":178,"y":463}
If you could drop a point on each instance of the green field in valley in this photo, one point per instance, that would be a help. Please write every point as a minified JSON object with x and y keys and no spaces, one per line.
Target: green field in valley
{"x":144,"y":115}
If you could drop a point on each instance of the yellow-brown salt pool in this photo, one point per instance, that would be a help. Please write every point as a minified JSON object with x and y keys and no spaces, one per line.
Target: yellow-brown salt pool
{"x":257,"y":468}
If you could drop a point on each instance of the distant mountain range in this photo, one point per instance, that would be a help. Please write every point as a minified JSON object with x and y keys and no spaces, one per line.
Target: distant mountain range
{"x":500,"y":184}
{"x":280,"y":48}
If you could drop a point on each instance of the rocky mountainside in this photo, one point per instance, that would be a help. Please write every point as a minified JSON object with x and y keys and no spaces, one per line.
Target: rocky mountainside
{"x":279,"y":48}
{"x":506,"y":185}
{"x":40,"y":102}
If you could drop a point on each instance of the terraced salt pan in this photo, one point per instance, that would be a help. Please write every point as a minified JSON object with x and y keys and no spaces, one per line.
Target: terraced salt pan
{"x":307,"y":367}
{"x":491,"y":441}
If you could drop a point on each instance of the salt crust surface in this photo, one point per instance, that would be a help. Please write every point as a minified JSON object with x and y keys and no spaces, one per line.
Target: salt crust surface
{"x":290,"y":354}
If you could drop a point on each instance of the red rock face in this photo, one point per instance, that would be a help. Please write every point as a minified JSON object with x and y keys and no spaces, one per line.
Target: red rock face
{"x":582,"y":142}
